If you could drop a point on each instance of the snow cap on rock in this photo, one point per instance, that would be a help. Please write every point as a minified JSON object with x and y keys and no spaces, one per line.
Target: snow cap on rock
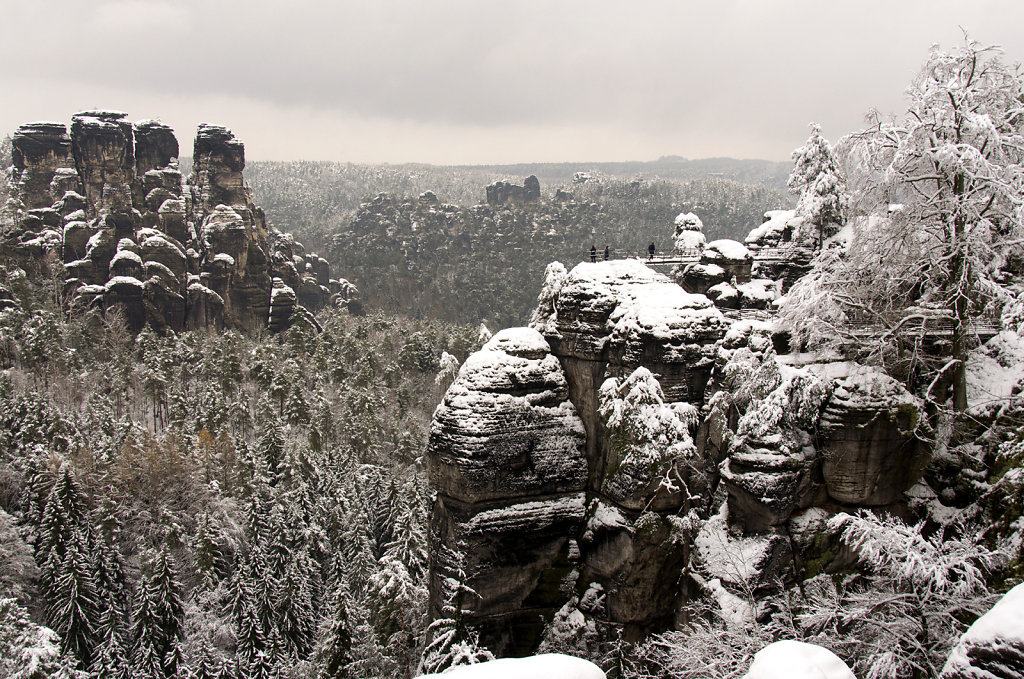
{"x":545,"y":666}
{"x":789,"y":659}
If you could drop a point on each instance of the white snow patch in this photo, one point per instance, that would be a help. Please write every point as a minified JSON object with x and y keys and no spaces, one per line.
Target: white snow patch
{"x":225,"y":258}
{"x":760,"y":289}
{"x":545,"y":666}
{"x":736,"y":612}
{"x":726,"y":248}
{"x":724,"y":291}
{"x":280,"y":292}
{"x":690,"y":240}
{"x":790,"y":659}
{"x":733,"y":559}
{"x":993,"y":370}
{"x":124,"y":280}
{"x":771,"y":229}
{"x":1001,"y":627}
{"x":125,"y":256}
{"x":519,"y":342}
{"x":607,"y":517}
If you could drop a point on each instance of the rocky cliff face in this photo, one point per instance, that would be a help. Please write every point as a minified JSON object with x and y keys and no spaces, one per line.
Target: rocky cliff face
{"x":611,"y":462}
{"x":107,"y":199}
{"x":502,"y":192}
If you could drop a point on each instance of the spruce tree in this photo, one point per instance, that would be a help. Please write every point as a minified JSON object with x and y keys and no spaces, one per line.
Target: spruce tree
{"x":334,"y":649}
{"x":159,"y":617}
{"x":73,"y":609}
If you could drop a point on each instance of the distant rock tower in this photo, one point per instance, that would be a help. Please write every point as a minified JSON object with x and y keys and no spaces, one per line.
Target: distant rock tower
{"x":502,"y":192}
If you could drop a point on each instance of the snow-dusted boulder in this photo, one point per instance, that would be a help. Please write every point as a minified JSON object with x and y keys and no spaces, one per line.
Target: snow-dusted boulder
{"x":624,"y":314}
{"x":871,"y":455}
{"x":732,"y":256}
{"x":545,"y":666}
{"x":699,"y":277}
{"x":506,"y":427}
{"x":789,"y":659}
{"x":993,"y":647}
{"x":778,"y":227}
{"x":689,"y":234}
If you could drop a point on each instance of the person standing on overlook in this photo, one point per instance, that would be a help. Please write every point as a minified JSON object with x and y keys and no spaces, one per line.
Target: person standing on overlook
{"x":607,"y":252}
{"x":650,"y":251}
{"x":593,"y":253}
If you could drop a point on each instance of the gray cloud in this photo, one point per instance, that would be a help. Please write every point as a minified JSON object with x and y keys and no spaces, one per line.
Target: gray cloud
{"x":471,"y":81}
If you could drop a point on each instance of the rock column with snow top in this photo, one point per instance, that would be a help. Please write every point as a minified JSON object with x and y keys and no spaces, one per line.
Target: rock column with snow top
{"x":506,"y":457}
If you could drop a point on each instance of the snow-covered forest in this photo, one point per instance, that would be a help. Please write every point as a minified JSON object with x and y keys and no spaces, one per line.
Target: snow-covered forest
{"x":810,"y":437}
{"x":213,"y":504}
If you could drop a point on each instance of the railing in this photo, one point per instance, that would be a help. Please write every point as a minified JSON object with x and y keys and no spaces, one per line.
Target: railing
{"x":673,"y":257}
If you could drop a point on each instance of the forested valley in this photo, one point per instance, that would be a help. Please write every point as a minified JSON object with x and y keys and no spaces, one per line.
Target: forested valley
{"x":451,"y":256}
{"x":214,"y":504}
{"x":217,"y":461}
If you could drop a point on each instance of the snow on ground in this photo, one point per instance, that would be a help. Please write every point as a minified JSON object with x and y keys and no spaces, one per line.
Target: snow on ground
{"x":790,"y":659}
{"x":733,"y":559}
{"x":735,"y":611}
{"x":760,"y":289}
{"x":994,"y":369}
{"x":1000,"y":632}
{"x":546,"y":666}
{"x":643,"y":302}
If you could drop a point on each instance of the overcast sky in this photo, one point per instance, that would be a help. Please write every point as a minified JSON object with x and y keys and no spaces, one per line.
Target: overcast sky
{"x":477,"y":81}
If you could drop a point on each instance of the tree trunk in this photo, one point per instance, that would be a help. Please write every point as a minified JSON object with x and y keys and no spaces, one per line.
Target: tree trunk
{"x":960,"y":287}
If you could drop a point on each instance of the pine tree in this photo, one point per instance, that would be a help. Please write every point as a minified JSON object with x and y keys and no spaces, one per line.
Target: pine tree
{"x":818,"y":180}
{"x":63,"y":522}
{"x":206,"y":666}
{"x":73,"y":609}
{"x":293,"y":606}
{"x":111,"y":657}
{"x":334,"y":649}
{"x":159,"y":618}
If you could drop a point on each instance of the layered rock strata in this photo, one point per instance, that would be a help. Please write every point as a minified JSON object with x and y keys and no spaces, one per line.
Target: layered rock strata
{"x":508,"y":464}
{"x":993,"y":647}
{"x":595,"y":514}
{"x":696,"y":462}
{"x":108,"y":200}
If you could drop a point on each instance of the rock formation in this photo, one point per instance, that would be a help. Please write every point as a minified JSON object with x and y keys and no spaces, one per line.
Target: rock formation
{"x":502,"y":192}
{"x":636,"y":448}
{"x":534,"y":494}
{"x":993,"y":647}
{"x":108,"y":200}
